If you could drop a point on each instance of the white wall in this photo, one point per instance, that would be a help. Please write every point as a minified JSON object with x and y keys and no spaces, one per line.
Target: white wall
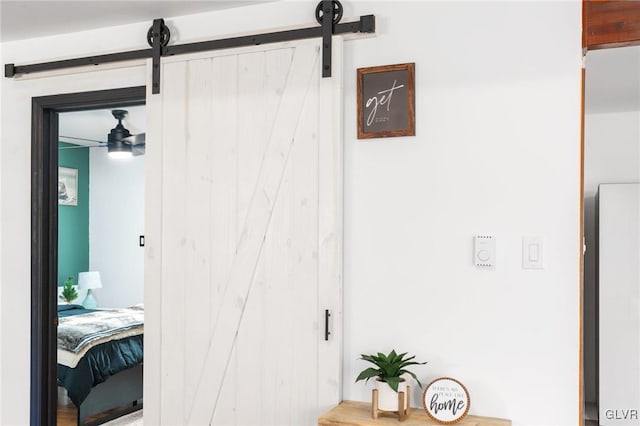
{"x":612,"y":149}
{"x":15,"y":172}
{"x":611,"y":155}
{"x":116,"y":220}
{"x":496,"y":151}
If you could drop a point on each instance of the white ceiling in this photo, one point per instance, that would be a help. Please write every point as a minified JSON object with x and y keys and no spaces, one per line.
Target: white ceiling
{"x":95,"y":124}
{"x":612,"y":80}
{"x":22,"y":19}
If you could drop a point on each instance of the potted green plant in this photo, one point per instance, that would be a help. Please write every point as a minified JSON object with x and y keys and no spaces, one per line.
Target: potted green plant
{"x":69,"y":293}
{"x":388,"y":372}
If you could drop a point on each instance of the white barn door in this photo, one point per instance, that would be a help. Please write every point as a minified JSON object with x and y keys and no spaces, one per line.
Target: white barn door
{"x":244,"y":238}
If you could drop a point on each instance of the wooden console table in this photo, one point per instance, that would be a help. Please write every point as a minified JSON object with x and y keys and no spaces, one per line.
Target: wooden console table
{"x":355,"y":413}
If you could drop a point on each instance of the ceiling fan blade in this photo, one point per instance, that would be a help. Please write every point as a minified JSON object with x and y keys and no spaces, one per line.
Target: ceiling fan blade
{"x":118,"y":139}
{"x":134,"y":140}
{"x":73,"y":147}
{"x":81,"y":139}
{"x":137,"y":150}
{"x":81,"y":146}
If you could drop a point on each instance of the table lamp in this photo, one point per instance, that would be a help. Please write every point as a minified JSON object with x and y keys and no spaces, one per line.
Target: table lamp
{"x":88,"y":281}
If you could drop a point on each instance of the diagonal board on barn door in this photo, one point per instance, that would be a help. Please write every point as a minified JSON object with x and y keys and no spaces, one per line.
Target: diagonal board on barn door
{"x":276,"y":346}
{"x":224,"y":219}
{"x":253,"y":234}
{"x":200,"y":140}
{"x":262,"y":77}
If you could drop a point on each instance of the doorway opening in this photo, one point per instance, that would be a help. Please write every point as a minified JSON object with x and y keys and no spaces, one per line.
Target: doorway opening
{"x":85,"y":206}
{"x":611,"y":272}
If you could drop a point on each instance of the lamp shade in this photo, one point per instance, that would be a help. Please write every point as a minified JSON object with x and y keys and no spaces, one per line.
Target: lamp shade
{"x":89,"y":280}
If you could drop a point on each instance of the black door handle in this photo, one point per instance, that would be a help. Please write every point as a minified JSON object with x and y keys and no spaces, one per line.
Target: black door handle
{"x":326,"y":324}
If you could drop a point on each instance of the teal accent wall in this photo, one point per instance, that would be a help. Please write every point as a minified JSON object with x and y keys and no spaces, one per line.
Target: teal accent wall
{"x":73,"y":221}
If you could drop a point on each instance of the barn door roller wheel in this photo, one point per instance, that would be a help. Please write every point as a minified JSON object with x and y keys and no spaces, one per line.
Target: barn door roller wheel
{"x":158,"y":37}
{"x":337,"y":12}
{"x":165,"y":35}
{"x":331,"y":9}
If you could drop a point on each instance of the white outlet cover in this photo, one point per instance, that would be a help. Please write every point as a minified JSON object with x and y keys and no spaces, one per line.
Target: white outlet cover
{"x":484,"y":251}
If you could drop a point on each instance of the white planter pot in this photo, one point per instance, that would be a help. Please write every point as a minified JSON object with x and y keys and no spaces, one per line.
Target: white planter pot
{"x":388,"y":398}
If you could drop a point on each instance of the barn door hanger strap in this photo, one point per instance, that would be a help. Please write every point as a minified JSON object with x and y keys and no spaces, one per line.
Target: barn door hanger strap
{"x":159,"y":36}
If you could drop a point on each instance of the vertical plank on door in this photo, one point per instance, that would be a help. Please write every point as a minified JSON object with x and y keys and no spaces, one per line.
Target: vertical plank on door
{"x":251,"y":143}
{"x":270,"y":276}
{"x":330,"y":232}
{"x":224,"y":221}
{"x":279,"y":271}
{"x":269,"y":281}
{"x":304,"y":338}
{"x":261,"y":81}
{"x":196,"y":286}
{"x":252,"y":236}
{"x":290,"y":271}
{"x":252,"y":125}
{"x":153,"y":257}
{"x":174,"y":241}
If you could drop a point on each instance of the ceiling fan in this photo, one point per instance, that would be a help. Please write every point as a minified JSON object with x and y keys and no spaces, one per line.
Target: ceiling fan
{"x":120,"y":142}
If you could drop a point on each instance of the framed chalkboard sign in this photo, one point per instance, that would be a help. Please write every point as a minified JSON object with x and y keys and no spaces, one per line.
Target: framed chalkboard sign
{"x":386,"y":101}
{"x":446,"y":400}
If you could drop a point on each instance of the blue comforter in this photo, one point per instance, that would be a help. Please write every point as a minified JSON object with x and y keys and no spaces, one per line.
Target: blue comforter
{"x":70,"y":310}
{"x":99,"y":363}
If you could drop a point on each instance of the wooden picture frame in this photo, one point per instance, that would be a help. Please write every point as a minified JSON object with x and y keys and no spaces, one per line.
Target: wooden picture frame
{"x":446,"y":400}
{"x":386,"y":101}
{"x":67,"y":186}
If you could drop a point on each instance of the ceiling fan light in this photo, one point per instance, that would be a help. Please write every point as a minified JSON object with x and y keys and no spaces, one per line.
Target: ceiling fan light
{"x":120,"y":155}
{"x":119,"y":150}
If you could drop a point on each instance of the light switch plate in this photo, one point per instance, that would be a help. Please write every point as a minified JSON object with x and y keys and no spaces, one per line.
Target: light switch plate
{"x":532,"y":253}
{"x":484,"y":250}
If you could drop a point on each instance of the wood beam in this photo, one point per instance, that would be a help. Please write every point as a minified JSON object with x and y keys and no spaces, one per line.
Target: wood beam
{"x":607,"y":23}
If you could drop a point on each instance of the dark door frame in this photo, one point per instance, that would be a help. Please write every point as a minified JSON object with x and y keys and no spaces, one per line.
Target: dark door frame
{"x":44,"y":234}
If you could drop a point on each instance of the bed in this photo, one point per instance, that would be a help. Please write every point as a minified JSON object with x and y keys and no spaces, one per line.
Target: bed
{"x":100,"y":359}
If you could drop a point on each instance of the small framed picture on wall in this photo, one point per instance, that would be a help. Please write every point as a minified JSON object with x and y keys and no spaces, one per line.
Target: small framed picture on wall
{"x":67,"y":186}
{"x":386,"y":101}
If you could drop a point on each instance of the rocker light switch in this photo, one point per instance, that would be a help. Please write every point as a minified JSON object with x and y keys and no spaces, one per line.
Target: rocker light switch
{"x":532,"y":253}
{"x":484,"y":250}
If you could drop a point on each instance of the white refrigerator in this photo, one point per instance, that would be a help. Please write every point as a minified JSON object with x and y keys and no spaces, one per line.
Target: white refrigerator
{"x":619,"y":308}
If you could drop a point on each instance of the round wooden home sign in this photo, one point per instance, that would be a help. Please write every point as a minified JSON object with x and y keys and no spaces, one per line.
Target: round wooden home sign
{"x":446,"y":400}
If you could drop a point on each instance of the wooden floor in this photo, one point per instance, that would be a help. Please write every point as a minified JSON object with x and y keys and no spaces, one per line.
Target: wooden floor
{"x":67,"y":413}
